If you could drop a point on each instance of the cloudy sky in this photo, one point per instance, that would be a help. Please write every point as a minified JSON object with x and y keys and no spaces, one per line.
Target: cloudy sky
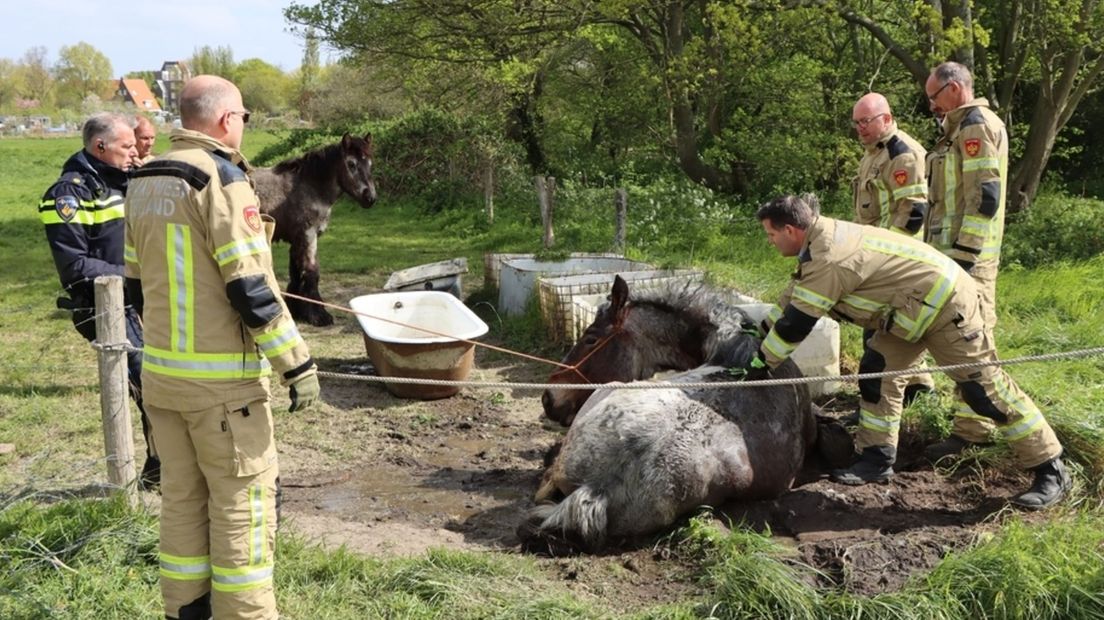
{"x":141,"y":35}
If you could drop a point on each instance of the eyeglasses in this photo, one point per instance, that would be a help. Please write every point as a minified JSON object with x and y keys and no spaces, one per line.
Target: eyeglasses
{"x":243,"y":113}
{"x":862,"y":123}
{"x":932,"y":96}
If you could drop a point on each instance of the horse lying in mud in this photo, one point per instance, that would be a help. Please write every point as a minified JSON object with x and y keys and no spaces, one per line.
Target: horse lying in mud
{"x":299,"y":193}
{"x":634,"y":461}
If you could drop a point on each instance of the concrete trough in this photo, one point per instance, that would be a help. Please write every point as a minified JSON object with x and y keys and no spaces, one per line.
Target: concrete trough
{"x":518,"y":276}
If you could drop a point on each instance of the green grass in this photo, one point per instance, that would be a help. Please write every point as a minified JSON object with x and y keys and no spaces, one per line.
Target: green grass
{"x":49,"y":410}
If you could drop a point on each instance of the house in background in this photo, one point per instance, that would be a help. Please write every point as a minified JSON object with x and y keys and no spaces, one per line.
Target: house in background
{"x":173,"y":74}
{"x":137,"y":92}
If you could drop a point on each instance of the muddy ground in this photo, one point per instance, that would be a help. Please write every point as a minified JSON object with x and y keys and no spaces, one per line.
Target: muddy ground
{"x":460,"y":472}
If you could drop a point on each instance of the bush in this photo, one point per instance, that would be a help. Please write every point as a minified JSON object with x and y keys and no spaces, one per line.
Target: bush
{"x":1056,"y":227}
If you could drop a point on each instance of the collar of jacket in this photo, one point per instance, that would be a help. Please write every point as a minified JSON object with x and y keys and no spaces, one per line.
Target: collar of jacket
{"x":955,"y":116}
{"x":878,"y":145}
{"x":98,"y":175}
{"x":813,"y":232}
{"x":189,"y":139}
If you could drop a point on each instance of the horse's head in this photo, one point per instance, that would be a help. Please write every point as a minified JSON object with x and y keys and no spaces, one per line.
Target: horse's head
{"x":600,"y":356}
{"x":355,"y":174}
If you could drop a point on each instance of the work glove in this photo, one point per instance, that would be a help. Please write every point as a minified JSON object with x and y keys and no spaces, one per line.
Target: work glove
{"x":755,"y":370}
{"x":304,"y":390}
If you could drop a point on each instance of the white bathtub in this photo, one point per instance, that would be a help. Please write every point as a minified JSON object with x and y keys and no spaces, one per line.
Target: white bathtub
{"x":404,"y":350}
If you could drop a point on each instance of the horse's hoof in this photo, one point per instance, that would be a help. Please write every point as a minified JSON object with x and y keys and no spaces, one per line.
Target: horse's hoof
{"x":323,"y":319}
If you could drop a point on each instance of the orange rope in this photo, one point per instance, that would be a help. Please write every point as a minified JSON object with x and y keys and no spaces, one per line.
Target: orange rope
{"x":437,"y":333}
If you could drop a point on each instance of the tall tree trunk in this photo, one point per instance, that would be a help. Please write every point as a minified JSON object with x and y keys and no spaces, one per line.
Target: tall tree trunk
{"x":1028,"y":173}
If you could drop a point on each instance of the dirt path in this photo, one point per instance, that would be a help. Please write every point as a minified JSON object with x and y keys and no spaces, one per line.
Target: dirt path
{"x":460,"y":472}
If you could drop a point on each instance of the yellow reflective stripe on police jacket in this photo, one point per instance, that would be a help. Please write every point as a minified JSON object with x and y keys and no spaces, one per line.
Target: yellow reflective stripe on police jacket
{"x":980,"y":163}
{"x":191,"y":365}
{"x":240,"y":579}
{"x":178,"y":258}
{"x":257,"y":523}
{"x":282,"y":339}
{"x":88,"y":213}
{"x":940,"y":292}
{"x":185,"y":568}
{"x":240,"y":248}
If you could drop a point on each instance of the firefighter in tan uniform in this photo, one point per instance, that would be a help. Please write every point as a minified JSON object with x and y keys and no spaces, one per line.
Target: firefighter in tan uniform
{"x":916,"y":299}
{"x":198,"y":258}
{"x":890,"y":190}
{"x":969,"y":179}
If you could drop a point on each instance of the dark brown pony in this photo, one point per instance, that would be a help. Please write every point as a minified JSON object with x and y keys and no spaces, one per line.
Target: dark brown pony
{"x":299,"y":194}
{"x":634,"y":461}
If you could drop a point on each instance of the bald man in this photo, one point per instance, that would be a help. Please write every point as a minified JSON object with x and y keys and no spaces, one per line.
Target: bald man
{"x":890,"y":189}
{"x":198,"y":259}
{"x":890,"y":192}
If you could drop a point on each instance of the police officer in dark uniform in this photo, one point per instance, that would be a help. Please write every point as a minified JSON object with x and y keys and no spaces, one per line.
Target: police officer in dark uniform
{"x":83,"y":216}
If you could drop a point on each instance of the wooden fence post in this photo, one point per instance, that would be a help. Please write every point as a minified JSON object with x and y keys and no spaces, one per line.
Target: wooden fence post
{"x":621,"y":208}
{"x":546,"y":188}
{"x":114,"y":404}
{"x":488,"y":191}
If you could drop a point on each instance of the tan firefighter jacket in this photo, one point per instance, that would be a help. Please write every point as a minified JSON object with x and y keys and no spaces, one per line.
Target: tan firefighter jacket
{"x":968,"y":169}
{"x":214,"y":318}
{"x":890,"y":190}
{"x":866,"y":275}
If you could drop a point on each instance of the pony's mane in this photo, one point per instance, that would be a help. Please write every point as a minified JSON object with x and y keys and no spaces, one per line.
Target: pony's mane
{"x":733,"y":335}
{"x":314,"y":163}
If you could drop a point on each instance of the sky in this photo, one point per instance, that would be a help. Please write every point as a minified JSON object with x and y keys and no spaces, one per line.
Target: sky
{"x":140,"y":36}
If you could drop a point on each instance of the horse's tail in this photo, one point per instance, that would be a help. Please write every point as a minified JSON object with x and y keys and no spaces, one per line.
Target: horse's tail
{"x":576,"y":523}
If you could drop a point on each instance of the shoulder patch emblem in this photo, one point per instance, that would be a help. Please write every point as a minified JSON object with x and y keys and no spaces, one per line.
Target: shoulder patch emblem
{"x":900,"y":176}
{"x":67,"y":207}
{"x":252,"y":218}
{"x":972,"y":147}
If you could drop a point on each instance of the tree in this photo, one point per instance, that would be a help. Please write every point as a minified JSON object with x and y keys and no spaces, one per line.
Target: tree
{"x":308,"y":74}
{"x":82,"y":70}
{"x":209,"y":60}
{"x":264,"y":87}
{"x":34,"y":74}
{"x":9,"y":84}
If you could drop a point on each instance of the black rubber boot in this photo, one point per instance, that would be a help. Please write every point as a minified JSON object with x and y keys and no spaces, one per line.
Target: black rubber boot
{"x":951,"y":446}
{"x":874,"y":465}
{"x":1051,"y":483}
{"x":914,"y":391}
{"x":150,"y":478}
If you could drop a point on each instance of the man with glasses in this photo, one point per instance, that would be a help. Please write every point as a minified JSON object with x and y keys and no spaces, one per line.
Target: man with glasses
{"x":199,"y":264}
{"x":968,"y":170}
{"x":890,"y":191}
